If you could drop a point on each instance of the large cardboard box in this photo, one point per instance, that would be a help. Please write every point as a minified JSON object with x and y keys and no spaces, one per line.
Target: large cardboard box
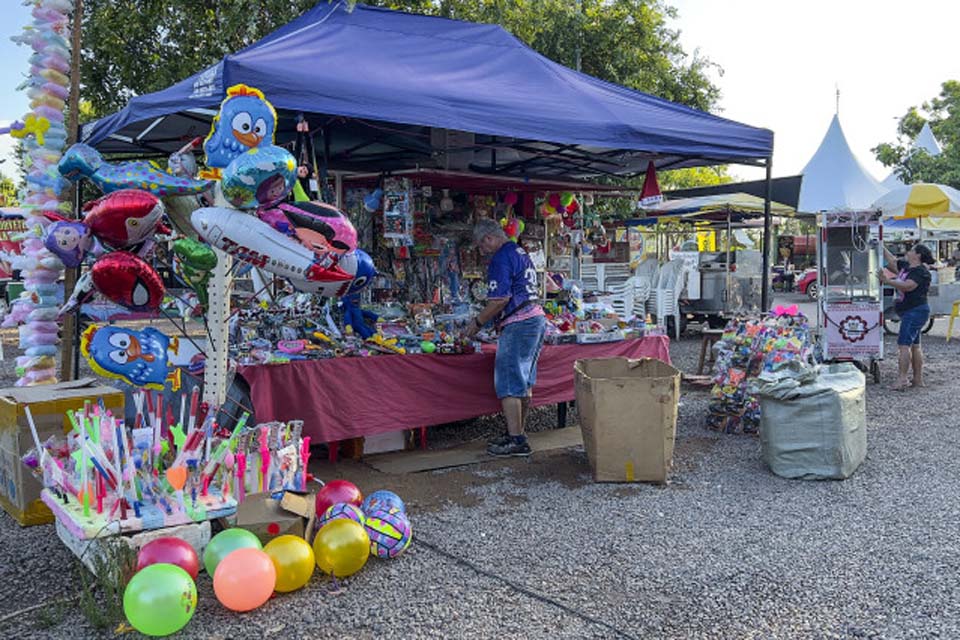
{"x":628,"y":415}
{"x":19,"y":490}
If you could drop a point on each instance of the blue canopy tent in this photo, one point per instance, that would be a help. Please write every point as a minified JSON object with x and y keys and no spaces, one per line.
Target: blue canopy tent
{"x":384,"y":78}
{"x":386,"y":90}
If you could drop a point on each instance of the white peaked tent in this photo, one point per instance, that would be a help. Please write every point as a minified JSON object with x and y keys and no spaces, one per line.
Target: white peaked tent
{"x":834,"y":178}
{"x":925,"y":140}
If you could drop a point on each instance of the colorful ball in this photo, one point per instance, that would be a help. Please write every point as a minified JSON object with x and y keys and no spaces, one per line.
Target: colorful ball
{"x":338,"y":491}
{"x":225,"y":543}
{"x":160,"y":599}
{"x":294,"y":561}
{"x":342,"y":510}
{"x":383,"y":500}
{"x":170,"y":550}
{"x":245,"y":579}
{"x":390,"y":533}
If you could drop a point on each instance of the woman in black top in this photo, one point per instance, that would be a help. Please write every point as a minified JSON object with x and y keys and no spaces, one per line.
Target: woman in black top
{"x":911,"y":286}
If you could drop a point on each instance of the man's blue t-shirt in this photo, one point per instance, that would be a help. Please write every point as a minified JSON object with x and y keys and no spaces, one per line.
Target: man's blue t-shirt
{"x":511,"y":274}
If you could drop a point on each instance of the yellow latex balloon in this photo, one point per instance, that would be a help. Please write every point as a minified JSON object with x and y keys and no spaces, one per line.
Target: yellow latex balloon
{"x":342,"y":547}
{"x":294,"y":561}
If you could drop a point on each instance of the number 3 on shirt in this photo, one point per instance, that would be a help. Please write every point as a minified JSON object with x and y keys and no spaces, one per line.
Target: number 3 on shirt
{"x":532,"y":286}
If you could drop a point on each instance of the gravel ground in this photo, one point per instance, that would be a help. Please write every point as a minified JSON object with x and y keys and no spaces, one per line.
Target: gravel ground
{"x":534,"y":549}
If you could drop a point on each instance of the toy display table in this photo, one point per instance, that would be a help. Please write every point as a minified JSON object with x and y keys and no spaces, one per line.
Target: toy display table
{"x":344,"y":398}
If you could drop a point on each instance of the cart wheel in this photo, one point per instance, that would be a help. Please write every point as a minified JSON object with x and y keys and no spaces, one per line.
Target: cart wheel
{"x":891,"y":323}
{"x":875,"y":371}
{"x":929,"y":326}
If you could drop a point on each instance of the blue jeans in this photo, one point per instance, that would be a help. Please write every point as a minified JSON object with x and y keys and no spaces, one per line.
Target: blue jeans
{"x":518,"y":349}
{"x":912,"y":322}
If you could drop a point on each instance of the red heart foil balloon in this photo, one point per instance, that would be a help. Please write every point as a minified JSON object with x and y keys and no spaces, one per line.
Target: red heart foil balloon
{"x":128,"y":281}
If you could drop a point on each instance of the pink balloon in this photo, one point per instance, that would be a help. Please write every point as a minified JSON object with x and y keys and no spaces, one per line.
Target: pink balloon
{"x":245,"y":579}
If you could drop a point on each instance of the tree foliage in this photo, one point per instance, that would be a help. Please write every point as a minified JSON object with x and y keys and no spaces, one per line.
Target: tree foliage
{"x":133,"y":47}
{"x":916,"y":165}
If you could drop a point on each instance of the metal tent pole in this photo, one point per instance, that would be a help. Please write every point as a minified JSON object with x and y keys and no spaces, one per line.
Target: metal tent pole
{"x":218,"y":316}
{"x":765,"y":294}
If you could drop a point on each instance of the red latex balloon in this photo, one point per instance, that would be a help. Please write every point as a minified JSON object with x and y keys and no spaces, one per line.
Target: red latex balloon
{"x":170,"y":551}
{"x":338,"y":491}
{"x":124,"y":218}
{"x":128,"y":281}
{"x":554,"y":201}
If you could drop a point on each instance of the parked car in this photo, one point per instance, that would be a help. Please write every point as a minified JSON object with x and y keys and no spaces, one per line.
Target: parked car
{"x":807,"y":283}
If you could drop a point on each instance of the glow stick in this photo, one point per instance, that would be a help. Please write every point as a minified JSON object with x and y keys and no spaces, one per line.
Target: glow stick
{"x":194,"y":403}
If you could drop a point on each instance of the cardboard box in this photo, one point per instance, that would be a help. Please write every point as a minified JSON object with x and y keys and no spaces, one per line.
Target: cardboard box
{"x":19,"y":490}
{"x":628,"y":416}
{"x":266,"y":518}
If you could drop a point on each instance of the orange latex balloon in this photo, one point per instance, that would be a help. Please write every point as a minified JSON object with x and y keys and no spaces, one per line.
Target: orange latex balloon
{"x":177,"y":477}
{"x":244,"y":580}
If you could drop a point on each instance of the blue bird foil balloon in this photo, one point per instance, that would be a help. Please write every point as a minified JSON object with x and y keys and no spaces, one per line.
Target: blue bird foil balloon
{"x":138,"y":358}
{"x":246,"y":121}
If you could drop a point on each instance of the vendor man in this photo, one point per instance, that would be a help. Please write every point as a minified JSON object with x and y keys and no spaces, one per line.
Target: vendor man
{"x":513,"y":307}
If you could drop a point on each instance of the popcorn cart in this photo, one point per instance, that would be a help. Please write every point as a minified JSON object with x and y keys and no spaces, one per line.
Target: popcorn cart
{"x":850,"y":307}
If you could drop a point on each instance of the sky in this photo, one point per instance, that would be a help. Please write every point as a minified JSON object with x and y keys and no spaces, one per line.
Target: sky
{"x":783,"y":62}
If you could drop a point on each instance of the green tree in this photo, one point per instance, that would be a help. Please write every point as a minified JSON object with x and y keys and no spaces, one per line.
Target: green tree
{"x":913,"y":165}
{"x":133,"y":47}
{"x":8,"y":192}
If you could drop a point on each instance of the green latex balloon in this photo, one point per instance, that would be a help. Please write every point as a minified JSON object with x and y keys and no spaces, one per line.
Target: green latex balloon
{"x":160,"y":599}
{"x":566,"y":198}
{"x":223,"y":543}
{"x":427,"y":347}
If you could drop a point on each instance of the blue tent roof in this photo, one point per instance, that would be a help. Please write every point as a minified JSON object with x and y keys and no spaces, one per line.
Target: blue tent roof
{"x":374,"y":67}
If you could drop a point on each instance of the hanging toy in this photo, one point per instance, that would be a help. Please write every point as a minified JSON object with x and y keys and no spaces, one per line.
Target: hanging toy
{"x":138,"y":358}
{"x":513,"y":227}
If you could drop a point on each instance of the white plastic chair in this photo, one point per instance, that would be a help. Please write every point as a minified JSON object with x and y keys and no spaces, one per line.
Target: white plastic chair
{"x":664,"y":300}
{"x":590,"y":277}
{"x":630,"y":297}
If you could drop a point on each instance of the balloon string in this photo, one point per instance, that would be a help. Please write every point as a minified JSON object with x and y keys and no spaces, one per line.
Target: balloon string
{"x":182,"y":330}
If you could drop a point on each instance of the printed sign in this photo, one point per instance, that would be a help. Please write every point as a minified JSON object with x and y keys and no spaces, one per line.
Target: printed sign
{"x":853,"y":331}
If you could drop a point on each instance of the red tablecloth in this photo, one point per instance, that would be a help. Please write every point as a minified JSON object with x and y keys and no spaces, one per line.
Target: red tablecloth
{"x":345,"y":398}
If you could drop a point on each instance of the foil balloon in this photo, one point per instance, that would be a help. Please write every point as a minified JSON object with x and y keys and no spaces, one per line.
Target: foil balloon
{"x":260,"y":177}
{"x":251,"y":240}
{"x":124,"y":218}
{"x":82,"y":161}
{"x":357,"y":264}
{"x":320,"y":227}
{"x":128,"y":280}
{"x":69,"y":241}
{"x":194,"y":262}
{"x":138,"y":358}
{"x":246,"y":121}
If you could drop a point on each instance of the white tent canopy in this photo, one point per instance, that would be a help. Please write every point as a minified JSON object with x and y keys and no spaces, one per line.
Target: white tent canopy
{"x":835,"y":179}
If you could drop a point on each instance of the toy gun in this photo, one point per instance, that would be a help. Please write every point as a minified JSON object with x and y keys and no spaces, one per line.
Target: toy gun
{"x":385,"y":345}
{"x":217,"y":458}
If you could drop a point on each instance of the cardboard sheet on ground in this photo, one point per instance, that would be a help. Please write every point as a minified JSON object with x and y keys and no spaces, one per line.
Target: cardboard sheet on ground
{"x":469,"y":453}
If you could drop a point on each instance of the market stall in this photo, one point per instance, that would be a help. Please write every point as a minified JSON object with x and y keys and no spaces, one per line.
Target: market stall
{"x":712,"y":284}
